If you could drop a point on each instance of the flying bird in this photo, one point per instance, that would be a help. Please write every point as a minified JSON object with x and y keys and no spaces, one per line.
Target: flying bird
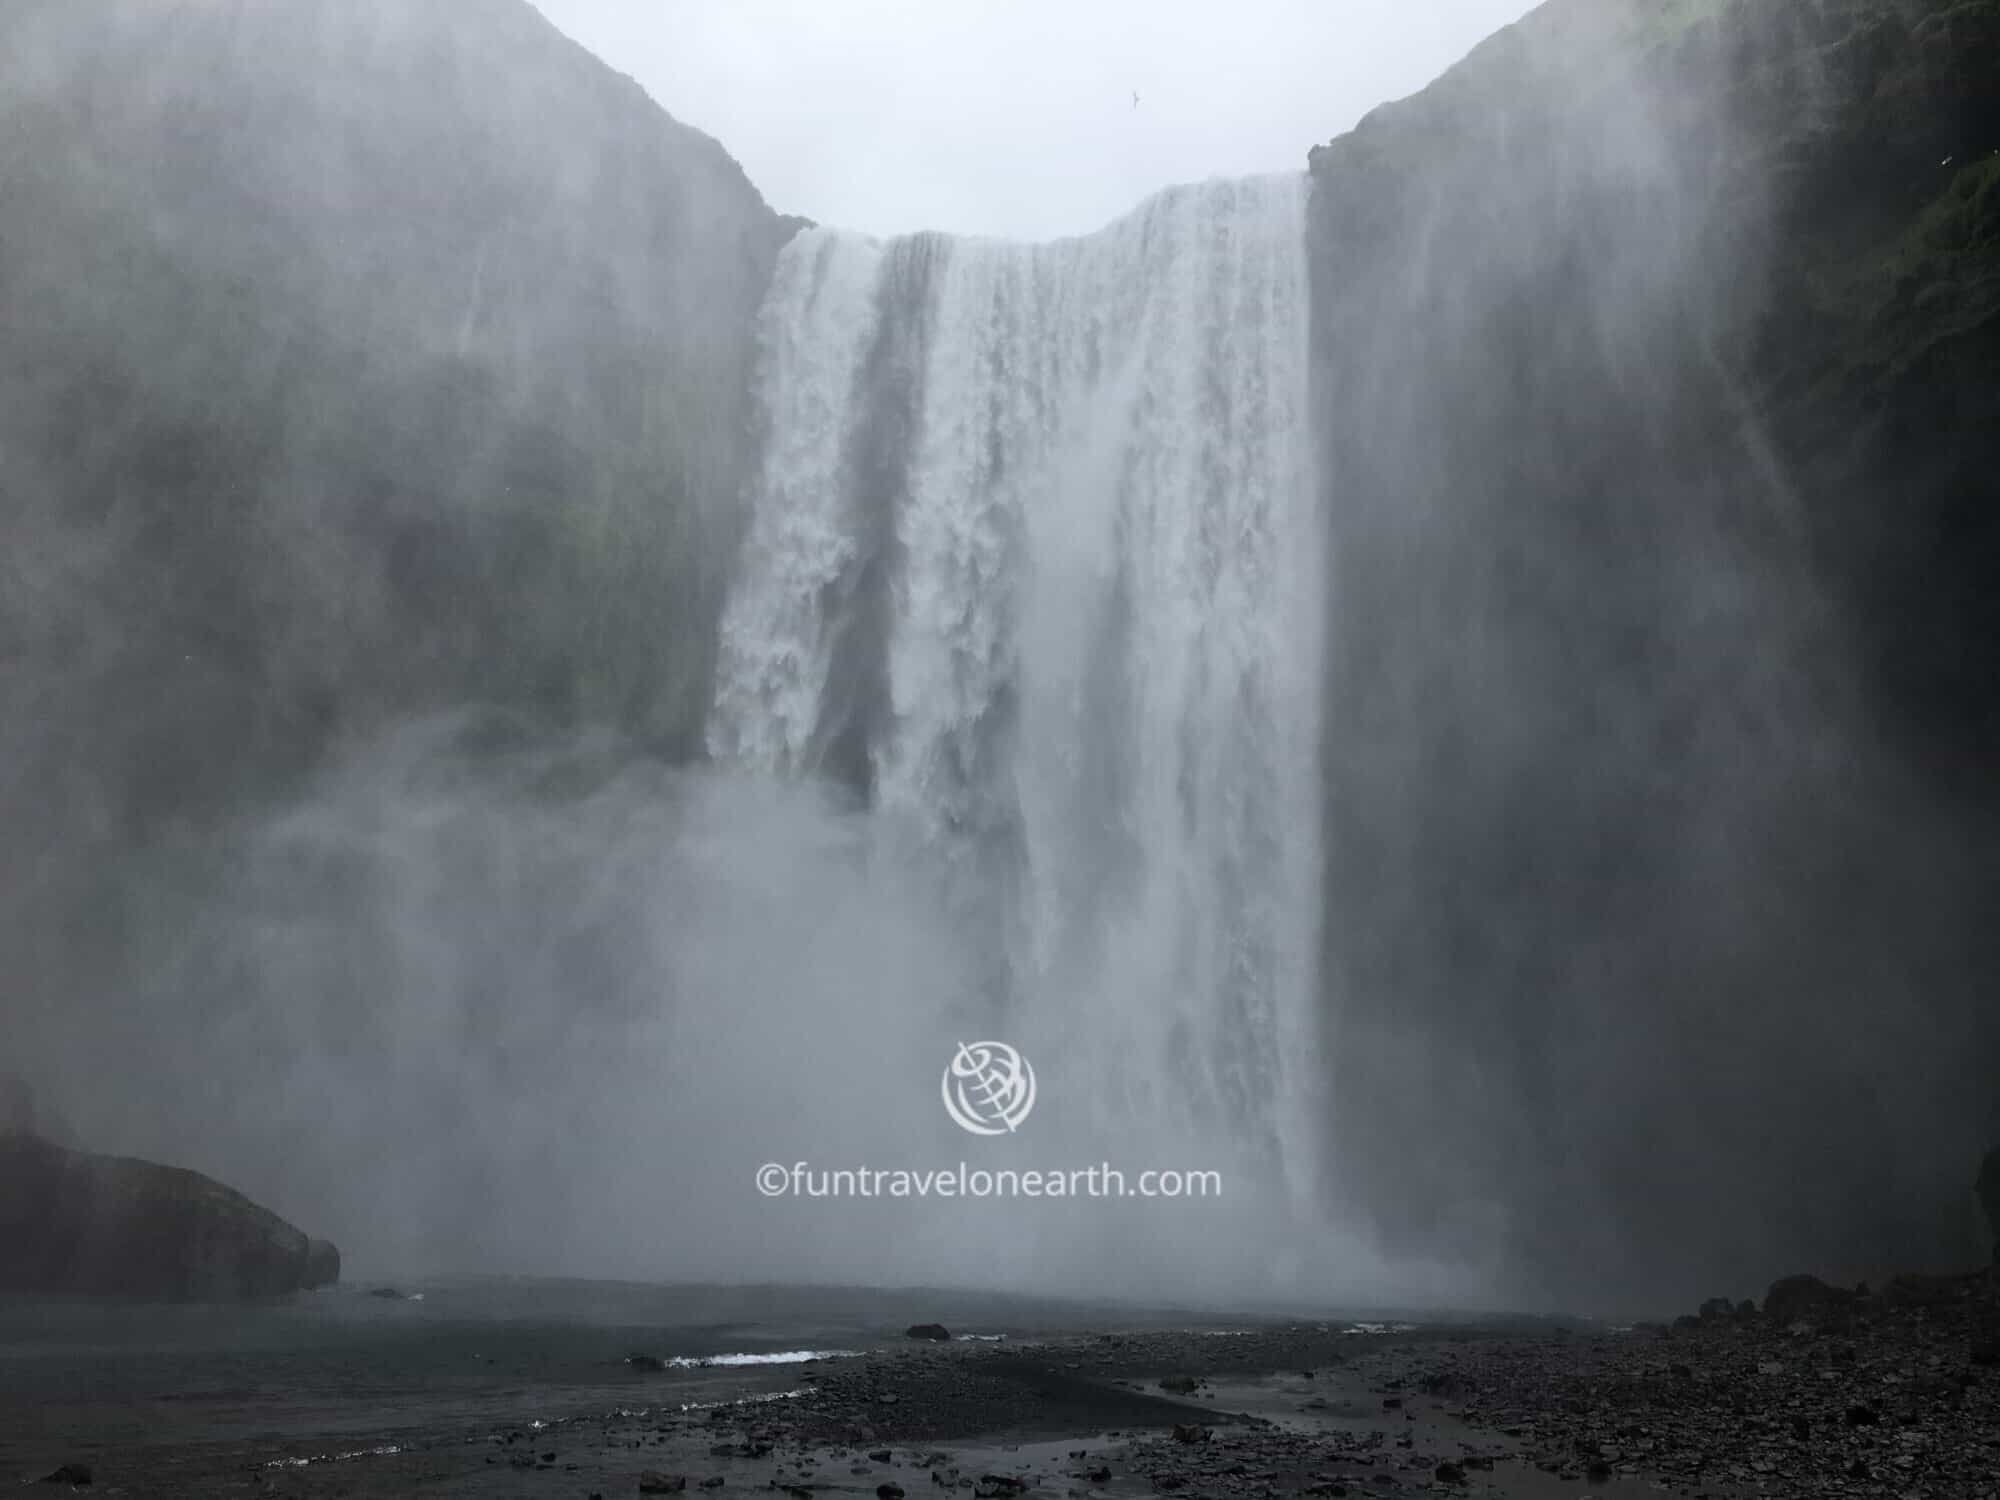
{"x":1135,"y":98}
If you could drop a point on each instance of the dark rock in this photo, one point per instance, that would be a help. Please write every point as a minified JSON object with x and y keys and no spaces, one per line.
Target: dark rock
{"x":1797,"y":1297}
{"x":662,"y":252}
{"x":1449,"y":1473}
{"x":69,"y":1474}
{"x":1099,"y":1475}
{"x":322,"y":1265}
{"x":77,"y":1223}
{"x":1912,"y":1290}
{"x":1191,"y":1432}
{"x":936,"y":1332}
{"x":1809,"y":141}
{"x":889,"y":1492}
{"x":651,"y":1364}
{"x":387,"y":1293}
{"x":1180,"y":1385}
{"x":881,"y":1455}
{"x":1717,"y":1310}
{"x":652,"y":1482}
{"x":1862,"y":1416}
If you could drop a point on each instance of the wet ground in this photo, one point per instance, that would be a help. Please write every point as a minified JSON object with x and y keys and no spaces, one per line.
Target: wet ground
{"x":407,"y":1399}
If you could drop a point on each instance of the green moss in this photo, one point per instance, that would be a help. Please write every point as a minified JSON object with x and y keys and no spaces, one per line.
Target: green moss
{"x":1887,"y":307}
{"x":1953,"y":235}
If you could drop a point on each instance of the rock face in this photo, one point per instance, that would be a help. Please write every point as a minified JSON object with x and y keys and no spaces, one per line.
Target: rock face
{"x":1802,"y":1297}
{"x":75,"y":1223}
{"x":1653,"y":356}
{"x":410,"y":346}
{"x":358,"y":359}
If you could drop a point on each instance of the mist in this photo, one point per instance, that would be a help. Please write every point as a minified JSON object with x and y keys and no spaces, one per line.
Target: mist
{"x":1653,"y":949}
{"x":493,"y":1006}
{"x":532,"y":685}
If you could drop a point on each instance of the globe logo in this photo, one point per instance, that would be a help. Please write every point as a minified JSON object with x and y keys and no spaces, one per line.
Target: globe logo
{"x":988,"y":1088}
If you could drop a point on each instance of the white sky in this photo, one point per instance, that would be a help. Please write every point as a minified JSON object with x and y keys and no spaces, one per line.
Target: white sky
{"x":1015,"y":117}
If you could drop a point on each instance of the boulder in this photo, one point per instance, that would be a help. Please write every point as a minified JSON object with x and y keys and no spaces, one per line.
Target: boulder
{"x":936,"y":1332}
{"x":1797,"y":1297}
{"x":78,"y":1223}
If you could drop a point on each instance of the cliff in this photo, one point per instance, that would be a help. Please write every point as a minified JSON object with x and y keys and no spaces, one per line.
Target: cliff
{"x":336,"y":333}
{"x":78,"y":1223}
{"x":1656,"y":351}
{"x":356,"y":360}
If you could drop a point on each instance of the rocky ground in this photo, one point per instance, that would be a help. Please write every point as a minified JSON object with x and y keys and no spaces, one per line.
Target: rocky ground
{"x":1828,"y":1394}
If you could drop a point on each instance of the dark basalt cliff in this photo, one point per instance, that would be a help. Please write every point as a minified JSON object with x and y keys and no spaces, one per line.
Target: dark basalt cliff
{"x":1658,"y":386}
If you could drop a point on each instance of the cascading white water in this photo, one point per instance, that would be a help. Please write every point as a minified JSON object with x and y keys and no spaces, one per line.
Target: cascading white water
{"x":815,"y":326}
{"x":1035,"y":563}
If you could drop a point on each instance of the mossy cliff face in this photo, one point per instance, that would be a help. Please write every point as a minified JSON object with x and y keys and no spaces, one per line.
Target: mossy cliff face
{"x":1655,"y":358}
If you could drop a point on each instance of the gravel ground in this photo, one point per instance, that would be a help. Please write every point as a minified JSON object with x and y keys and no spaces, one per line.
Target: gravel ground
{"x":1895,"y":1395}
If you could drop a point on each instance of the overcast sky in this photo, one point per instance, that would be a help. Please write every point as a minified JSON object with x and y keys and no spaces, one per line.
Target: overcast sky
{"x":1015,"y":117}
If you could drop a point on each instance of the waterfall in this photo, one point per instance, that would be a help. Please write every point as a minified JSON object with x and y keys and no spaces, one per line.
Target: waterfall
{"x":1035,"y":566}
